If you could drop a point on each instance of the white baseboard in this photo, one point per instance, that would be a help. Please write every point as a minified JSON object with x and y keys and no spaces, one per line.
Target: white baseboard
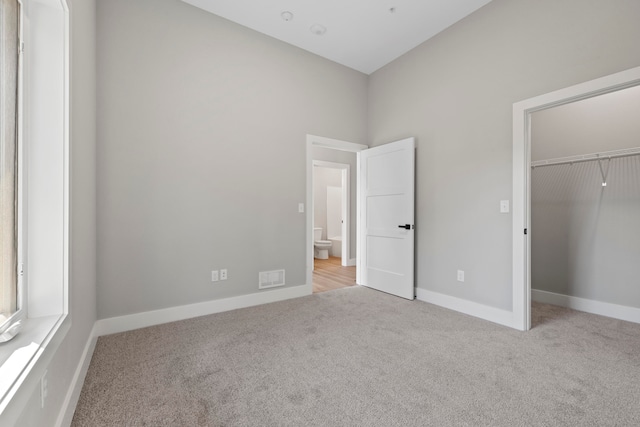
{"x":351,"y":262}
{"x":492,"y":314}
{"x":73,"y":393}
{"x":156,"y":317}
{"x":622,"y":312}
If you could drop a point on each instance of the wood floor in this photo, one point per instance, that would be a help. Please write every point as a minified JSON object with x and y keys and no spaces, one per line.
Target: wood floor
{"x":329,"y":274}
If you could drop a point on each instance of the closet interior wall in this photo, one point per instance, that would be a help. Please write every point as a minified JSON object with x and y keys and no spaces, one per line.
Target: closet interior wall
{"x":586,"y":236}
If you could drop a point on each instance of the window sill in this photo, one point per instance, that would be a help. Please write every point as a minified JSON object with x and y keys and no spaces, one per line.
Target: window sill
{"x":20,"y":357}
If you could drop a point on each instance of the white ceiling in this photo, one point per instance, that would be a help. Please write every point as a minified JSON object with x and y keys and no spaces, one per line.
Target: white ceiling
{"x":362,"y":34}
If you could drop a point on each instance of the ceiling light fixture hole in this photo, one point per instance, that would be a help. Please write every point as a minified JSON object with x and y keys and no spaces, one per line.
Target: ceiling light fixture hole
{"x":287,"y":16}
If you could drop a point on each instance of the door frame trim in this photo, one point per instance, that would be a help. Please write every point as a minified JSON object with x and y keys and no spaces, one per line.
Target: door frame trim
{"x":334,"y":144}
{"x":522,"y":111}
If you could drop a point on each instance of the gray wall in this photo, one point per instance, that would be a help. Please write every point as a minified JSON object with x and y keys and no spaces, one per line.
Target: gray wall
{"x":337,"y":156}
{"x":455,"y":93}
{"x":202,"y":129}
{"x":585,"y":238}
{"x":602,"y":123}
{"x":202,"y":155}
{"x":82,"y":282}
{"x":323,"y":178}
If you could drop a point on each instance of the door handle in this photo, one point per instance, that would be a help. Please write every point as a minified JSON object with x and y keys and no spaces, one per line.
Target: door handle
{"x":406,"y":226}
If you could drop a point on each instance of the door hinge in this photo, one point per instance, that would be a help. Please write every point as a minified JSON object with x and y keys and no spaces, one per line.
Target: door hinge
{"x":525,"y":231}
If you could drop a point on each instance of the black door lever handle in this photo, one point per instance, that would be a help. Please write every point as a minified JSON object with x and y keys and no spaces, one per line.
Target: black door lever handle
{"x":406,"y":226}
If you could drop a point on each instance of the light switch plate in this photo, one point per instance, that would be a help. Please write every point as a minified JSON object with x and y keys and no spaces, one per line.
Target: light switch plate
{"x":504,"y":206}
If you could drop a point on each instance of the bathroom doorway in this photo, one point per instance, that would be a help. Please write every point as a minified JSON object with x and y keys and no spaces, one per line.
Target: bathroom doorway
{"x":332,"y":271}
{"x":331,"y":208}
{"x":331,"y":226}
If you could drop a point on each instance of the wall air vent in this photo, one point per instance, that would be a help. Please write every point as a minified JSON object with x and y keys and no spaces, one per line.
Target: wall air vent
{"x":270,"y":279}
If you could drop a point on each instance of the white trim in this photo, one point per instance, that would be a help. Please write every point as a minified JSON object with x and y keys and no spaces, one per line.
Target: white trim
{"x":522,"y":172}
{"x":130,"y":322}
{"x":309,"y":215}
{"x":492,"y":314}
{"x":335,"y":144}
{"x":46,"y":144}
{"x":352,"y":262}
{"x":520,"y":220}
{"x":622,"y":312}
{"x":65,"y":416}
{"x":331,"y":165}
{"x":345,"y":250}
{"x":67,"y":157}
{"x":359,"y":230}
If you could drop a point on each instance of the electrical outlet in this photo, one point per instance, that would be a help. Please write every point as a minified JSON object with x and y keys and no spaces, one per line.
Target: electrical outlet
{"x":460,"y":275}
{"x":223,"y":274}
{"x":44,"y":389}
{"x":214,"y":276}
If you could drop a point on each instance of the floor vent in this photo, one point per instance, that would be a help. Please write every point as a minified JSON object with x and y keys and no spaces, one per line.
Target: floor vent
{"x":271,"y":279}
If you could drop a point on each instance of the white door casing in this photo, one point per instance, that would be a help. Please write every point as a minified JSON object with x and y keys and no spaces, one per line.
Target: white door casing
{"x":386,"y":218}
{"x":522,"y":177}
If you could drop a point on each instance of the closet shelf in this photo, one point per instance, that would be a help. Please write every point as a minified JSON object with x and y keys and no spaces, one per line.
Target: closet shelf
{"x":605,"y":155}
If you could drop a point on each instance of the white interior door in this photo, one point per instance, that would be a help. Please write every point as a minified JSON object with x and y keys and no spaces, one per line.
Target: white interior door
{"x":387,"y":177}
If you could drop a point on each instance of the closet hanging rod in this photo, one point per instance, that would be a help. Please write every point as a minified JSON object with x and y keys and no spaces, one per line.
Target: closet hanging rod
{"x":590,"y":158}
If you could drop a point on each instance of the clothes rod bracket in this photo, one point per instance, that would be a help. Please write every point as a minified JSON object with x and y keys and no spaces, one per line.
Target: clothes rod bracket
{"x":604,"y":172}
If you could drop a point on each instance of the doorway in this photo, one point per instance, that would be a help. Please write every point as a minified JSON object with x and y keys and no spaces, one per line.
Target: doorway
{"x":327,"y":152}
{"x":383,"y":221}
{"x":331,"y":226}
{"x":522,"y":162}
{"x":332,"y":207}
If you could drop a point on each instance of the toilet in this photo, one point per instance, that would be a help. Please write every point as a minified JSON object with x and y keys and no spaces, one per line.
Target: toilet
{"x":320,"y":247}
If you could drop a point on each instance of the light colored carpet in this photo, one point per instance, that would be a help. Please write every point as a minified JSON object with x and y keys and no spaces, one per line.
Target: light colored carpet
{"x":357,"y":357}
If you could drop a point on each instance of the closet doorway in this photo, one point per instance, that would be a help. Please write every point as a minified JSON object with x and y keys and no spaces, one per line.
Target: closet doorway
{"x":563,"y":192}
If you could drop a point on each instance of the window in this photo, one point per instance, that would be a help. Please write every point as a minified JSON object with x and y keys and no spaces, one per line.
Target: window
{"x":9,"y":60}
{"x":34,"y":203}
